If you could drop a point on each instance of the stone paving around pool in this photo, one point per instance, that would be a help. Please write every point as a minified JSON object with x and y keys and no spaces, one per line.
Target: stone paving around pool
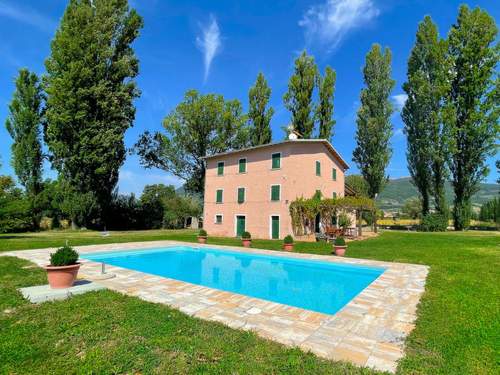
{"x":369,"y":331}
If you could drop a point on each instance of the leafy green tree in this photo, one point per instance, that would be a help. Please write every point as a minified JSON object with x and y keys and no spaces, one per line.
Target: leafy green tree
{"x":178,"y":209}
{"x":324,"y":110}
{"x":357,"y":183}
{"x":24,"y":126}
{"x":490,"y":211}
{"x":473,"y":101}
{"x":258,"y":115}
{"x":15,"y":213}
{"x":298,"y":98}
{"x":152,"y":203}
{"x":200,"y":126}
{"x":412,"y":208}
{"x":374,"y":128}
{"x":427,"y":138}
{"x":90,"y":92}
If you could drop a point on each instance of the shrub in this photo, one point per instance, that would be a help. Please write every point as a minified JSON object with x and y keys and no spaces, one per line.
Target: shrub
{"x":246,"y":236}
{"x":344,"y":221}
{"x":64,"y":256}
{"x":339,"y":241}
{"x":433,"y":223}
{"x":202,"y":233}
{"x":288,"y":239}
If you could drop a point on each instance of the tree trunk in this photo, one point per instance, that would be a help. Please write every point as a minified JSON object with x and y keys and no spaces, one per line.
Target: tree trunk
{"x":375,"y":228}
{"x":359,"y":219}
{"x":461,"y":213}
{"x":425,"y":203}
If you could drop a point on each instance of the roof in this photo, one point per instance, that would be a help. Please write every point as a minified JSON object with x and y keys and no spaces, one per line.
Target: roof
{"x":327,"y":144}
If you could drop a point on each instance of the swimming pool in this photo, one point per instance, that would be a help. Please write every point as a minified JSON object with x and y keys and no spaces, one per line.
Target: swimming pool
{"x":309,"y":284}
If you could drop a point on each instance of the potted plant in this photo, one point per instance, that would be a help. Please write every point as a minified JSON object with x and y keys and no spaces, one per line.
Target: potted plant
{"x":246,"y":239}
{"x":339,"y":246}
{"x":202,"y":236}
{"x":288,"y":243}
{"x":63,"y":268}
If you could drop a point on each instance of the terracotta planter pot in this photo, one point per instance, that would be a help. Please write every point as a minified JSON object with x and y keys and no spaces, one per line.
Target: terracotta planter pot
{"x":202,"y":239}
{"x":62,"y":276}
{"x":288,"y":246}
{"x":246,"y":242}
{"x":340,"y":250}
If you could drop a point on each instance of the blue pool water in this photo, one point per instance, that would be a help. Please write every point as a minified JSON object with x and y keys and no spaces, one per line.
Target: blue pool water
{"x":314,"y":285}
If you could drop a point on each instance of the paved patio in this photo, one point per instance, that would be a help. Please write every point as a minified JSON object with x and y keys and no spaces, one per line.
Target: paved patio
{"x":369,"y":331}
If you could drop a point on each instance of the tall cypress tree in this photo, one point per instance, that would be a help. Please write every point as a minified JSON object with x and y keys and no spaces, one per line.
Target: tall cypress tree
{"x":427,"y":138}
{"x":473,"y":102}
{"x":324,"y":110}
{"x":24,"y":126}
{"x":259,"y":116}
{"x":298,"y":98}
{"x":374,"y":128}
{"x":90,"y":91}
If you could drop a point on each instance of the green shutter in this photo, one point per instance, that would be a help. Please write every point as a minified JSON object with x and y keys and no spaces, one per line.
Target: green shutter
{"x":275,"y":192}
{"x":276,"y":160}
{"x":334,"y":194}
{"x":241,"y":195}
{"x":275,"y":227}
{"x":220,"y":168}
{"x":334,"y":174}
{"x":218,"y":198}
{"x":242,"y":166}
{"x":240,"y":225}
{"x":318,"y":168}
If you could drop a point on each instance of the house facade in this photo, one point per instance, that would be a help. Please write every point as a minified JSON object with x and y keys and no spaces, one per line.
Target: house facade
{"x":251,"y":189}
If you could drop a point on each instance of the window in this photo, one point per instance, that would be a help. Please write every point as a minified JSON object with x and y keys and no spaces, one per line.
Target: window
{"x":241,"y":195}
{"x":318,"y":194}
{"x":334,"y":174}
{"x":276,"y":160}
{"x":218,"y":219}
{"x":220,"y":168}
{"x":242,"y":165}
{"x":275,"y":192}
{"x":334,"y":194}
{"x":318,"y":168}
{"x":218,"y":197}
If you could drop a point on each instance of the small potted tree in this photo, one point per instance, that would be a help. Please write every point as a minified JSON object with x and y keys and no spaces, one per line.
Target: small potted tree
{"x":288,"y":243}
{"x":202,"y":236}
{"x":339,"y":246}
{"x":63,"y":268}
{"x":246,"y":239}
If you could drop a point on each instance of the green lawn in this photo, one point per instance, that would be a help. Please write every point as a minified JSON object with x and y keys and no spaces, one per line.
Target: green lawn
{"x":105,"y":332}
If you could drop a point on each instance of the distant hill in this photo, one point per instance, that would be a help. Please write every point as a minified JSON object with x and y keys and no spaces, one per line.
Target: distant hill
{"x":394,"y":195}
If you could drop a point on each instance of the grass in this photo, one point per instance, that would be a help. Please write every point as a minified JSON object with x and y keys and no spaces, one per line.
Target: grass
{"x":104,"y":332}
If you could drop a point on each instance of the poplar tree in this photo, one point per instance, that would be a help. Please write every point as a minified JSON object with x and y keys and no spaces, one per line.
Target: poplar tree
{"x":24,"y":126}
{"x":427,"y":138}
{"x":90,"y":92}
{"x":474,"y":104}
{"x":374,"y":128}
{"x":258,"y":114}
{"x":298,"y":98}
{"x":324,"y":110}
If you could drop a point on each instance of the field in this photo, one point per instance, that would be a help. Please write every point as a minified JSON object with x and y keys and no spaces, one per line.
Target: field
{"x":105,"y":332}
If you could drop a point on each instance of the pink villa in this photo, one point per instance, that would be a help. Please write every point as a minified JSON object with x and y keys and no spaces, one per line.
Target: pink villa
{"x":251,"y":189}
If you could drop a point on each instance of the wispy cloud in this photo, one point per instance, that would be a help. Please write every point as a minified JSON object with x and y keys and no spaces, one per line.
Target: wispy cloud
{"x":27,"y":15}
{"x":209,"y":43}
{"x":399,"y":101}
{"x":329,"y":22}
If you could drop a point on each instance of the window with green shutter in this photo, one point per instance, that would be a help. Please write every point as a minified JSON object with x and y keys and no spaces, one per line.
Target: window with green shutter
{"x":276,"y":160}
{"x":334,"y":174}
{"x":318,"y":168}
{"x":220,"y":168}
{"x":241,"y":195}
{"x":334,"y":194}
{"x":275,"y":192}
{"x":218,"y":219}
{"x":242,"y":166}
{"x":218,"y":198}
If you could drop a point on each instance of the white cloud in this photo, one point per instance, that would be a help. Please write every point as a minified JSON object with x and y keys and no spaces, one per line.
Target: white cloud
{"x":399,"y":101}
{"x":398,"y":132}
{"x":27,"y":16}
{"x":328,"y":23}
{"x":209,"y":43}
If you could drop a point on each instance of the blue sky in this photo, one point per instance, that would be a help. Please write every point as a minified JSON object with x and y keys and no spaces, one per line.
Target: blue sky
{"x":220,"y":46}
